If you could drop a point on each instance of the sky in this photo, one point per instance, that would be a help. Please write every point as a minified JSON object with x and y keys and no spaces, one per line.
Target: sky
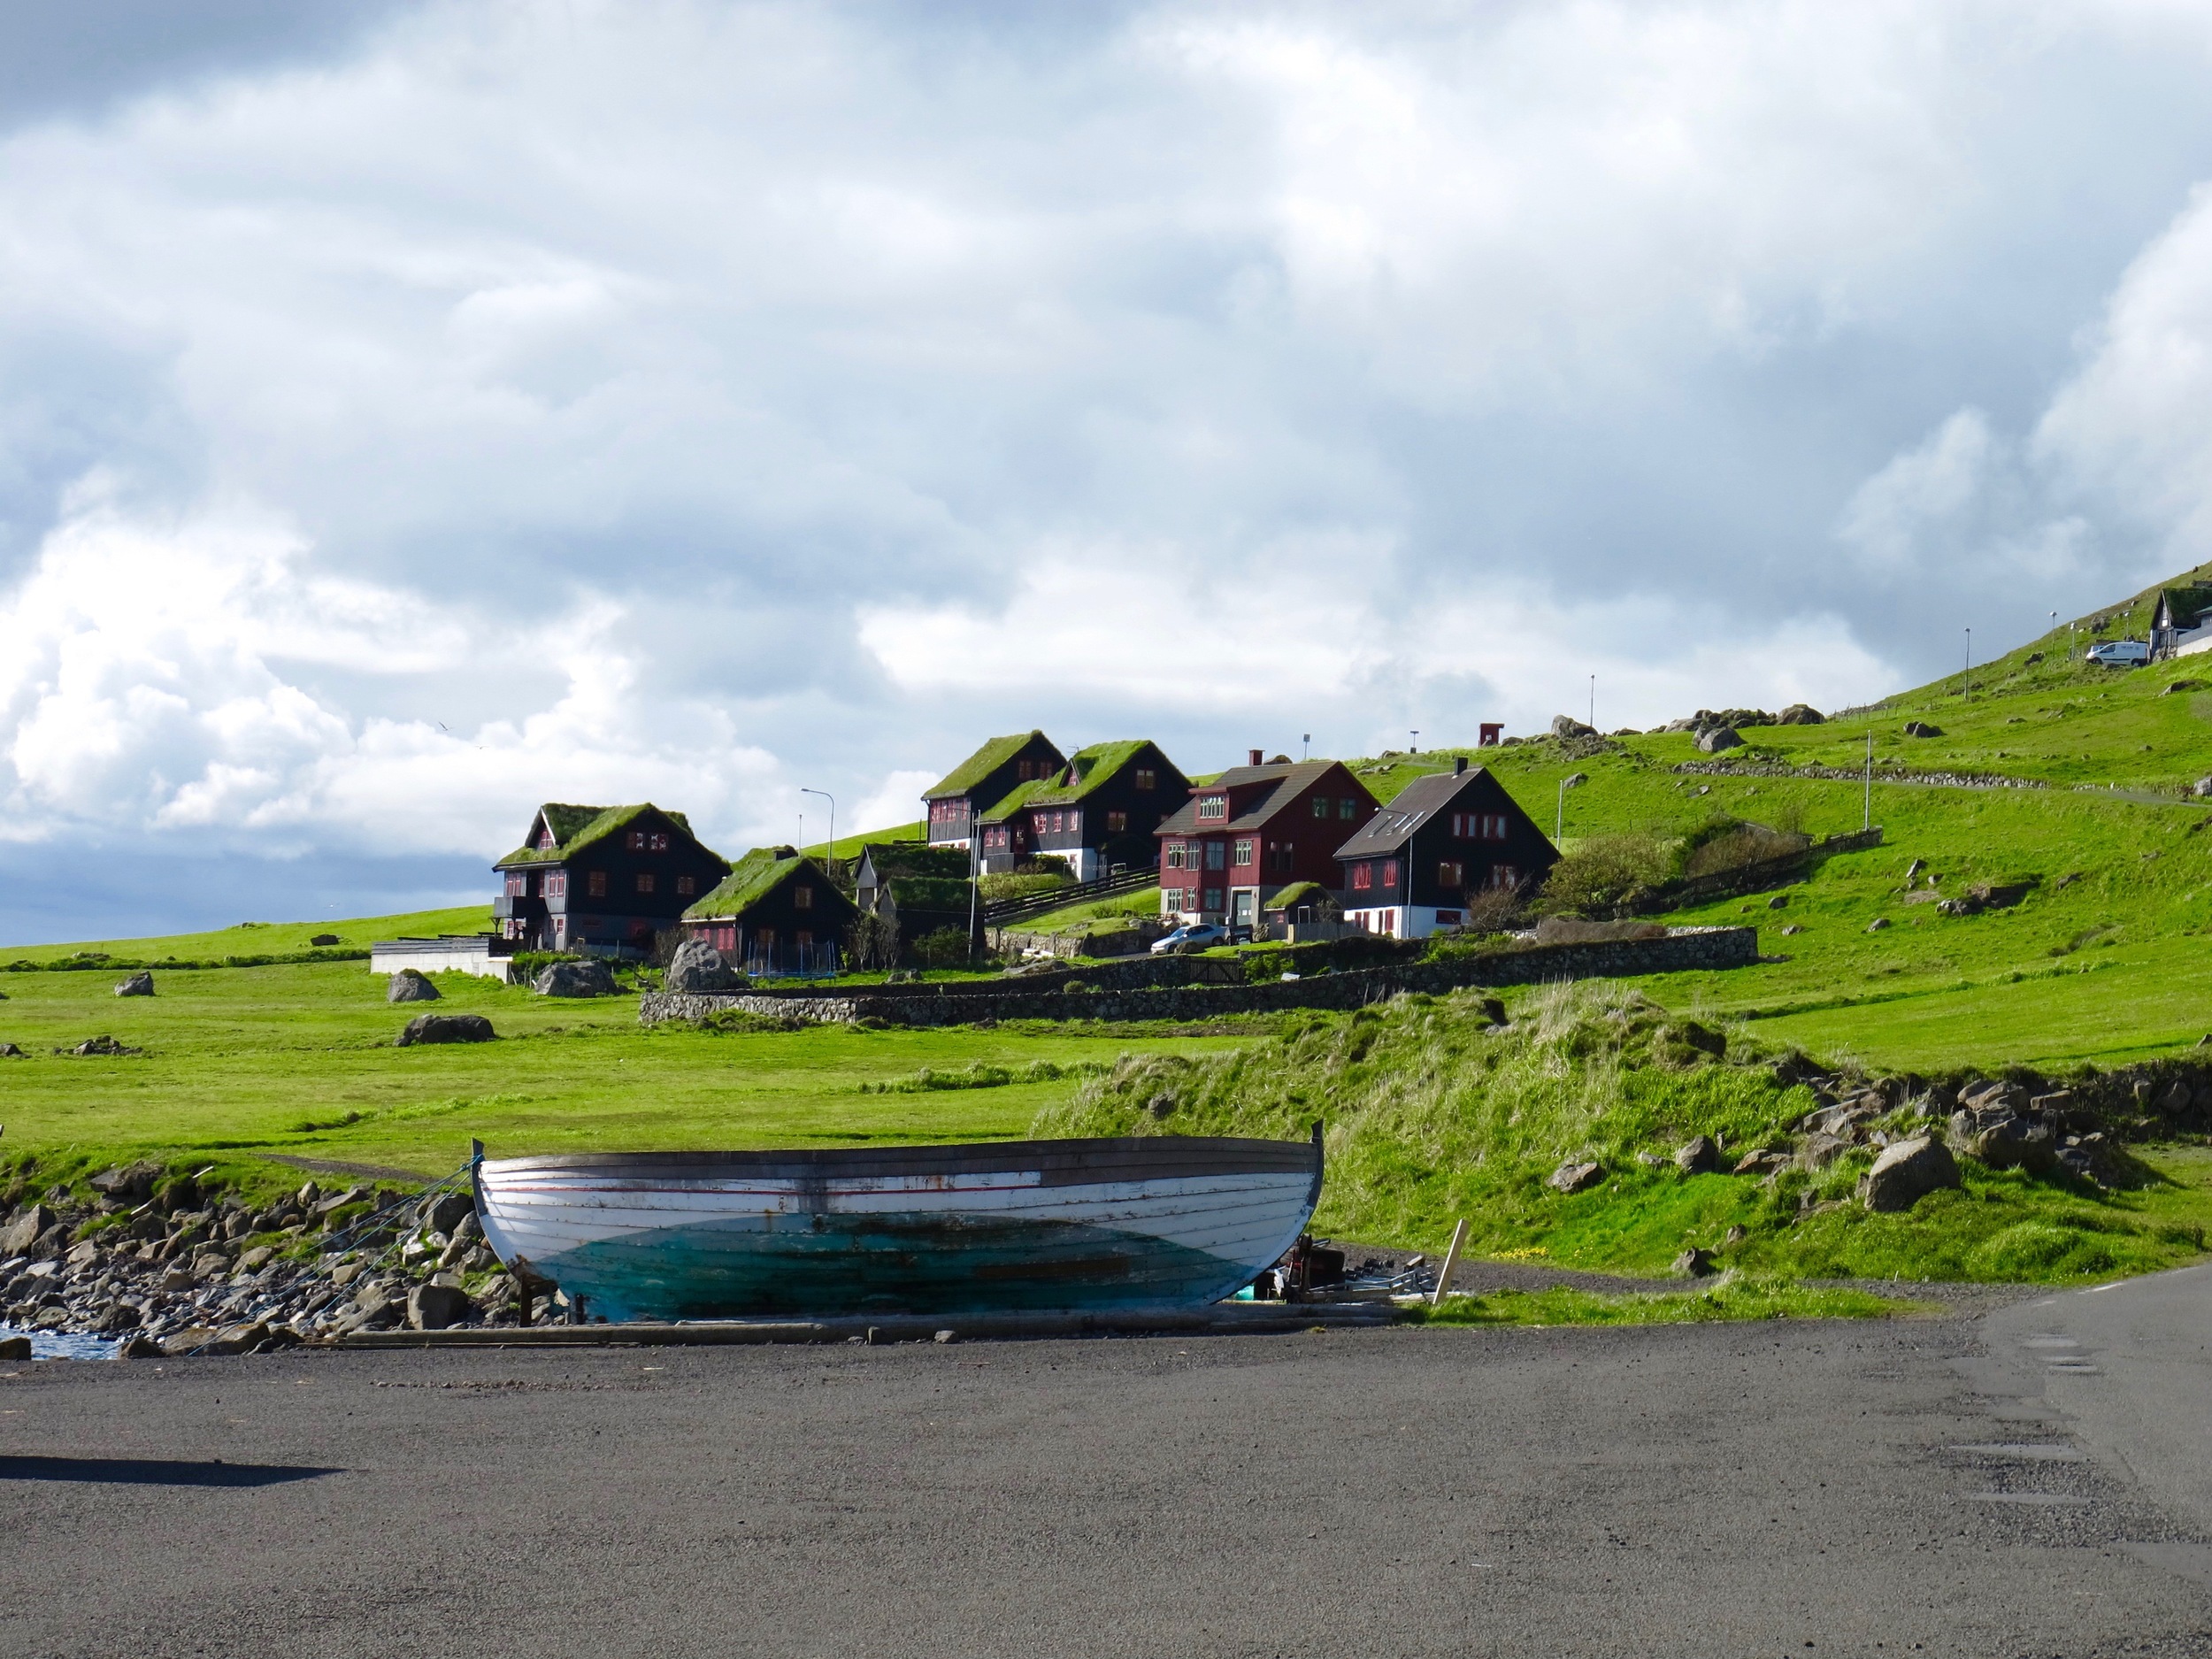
{"x":413,"y":412}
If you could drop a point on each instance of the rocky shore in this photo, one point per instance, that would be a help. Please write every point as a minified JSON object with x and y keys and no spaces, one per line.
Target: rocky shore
{"x":167,"y":1267}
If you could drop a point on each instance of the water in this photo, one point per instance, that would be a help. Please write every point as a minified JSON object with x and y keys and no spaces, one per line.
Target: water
{"x":63,"y":1344}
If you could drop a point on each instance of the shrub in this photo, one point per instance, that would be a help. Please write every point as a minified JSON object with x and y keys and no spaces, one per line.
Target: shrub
{"x":947,"y":948}
{"x":1606,"y":870}
{"x":1746,"y":844}
{"x":996,"y":889}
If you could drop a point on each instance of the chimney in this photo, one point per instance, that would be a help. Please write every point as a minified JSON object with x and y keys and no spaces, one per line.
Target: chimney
{"x":1259,"y":755}
{"x":1459,"y":765}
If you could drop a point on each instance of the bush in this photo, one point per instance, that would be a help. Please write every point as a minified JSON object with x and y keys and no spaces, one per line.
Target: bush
{"x":996,"y":889}
{"x":1745,"y":844}
{"x":1606,"y":870}
{"x":1572,"y":930}
{"x":947,"y":948}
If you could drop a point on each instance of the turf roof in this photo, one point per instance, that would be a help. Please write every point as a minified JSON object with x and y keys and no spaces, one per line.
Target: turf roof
{"x":1094,"y":767}
{"x":577,"y":828}
{"x":1296,"y":893}
{"x":752,"y":879}
{"x":982,"y":763}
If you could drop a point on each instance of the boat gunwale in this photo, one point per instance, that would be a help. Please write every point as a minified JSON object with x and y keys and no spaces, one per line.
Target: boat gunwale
{"x":1088,"y":1161}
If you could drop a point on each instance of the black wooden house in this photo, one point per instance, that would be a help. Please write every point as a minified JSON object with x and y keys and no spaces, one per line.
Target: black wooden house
{"x":1097,"y":812}
{"x":776,"y":913}
{"x":601,"y":881}
{"x":955,"y":804}
{"x":1417,"y":861}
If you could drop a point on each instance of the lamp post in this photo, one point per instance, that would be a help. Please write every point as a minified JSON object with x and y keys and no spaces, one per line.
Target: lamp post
{"x":1866,"y":820}
{"x":1966,"y":683}
{"x":1593,"y":702}
{"x":1414,"y":741}
{"x":826,"y":795}
{"x":1305,"y":746}
{"x":1559,"y":824}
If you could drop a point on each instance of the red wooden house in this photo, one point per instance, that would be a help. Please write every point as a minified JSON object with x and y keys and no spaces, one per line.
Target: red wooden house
{"x":1254,"y":830}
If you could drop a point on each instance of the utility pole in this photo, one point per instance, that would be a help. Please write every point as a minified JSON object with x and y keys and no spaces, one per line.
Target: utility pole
{"x":1867,"y":819}
{"x":1967,"y":685}
{"x":1593,"y":702}
{"x":832,"y":859}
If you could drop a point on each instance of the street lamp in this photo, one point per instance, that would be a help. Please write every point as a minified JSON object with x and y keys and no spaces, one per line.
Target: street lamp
{"x":1559,"y":826}
{"x":1415,"y":738}
{"x":832,"y":799}
{"x":1966,"y":685}
{"x":1305,"y":746}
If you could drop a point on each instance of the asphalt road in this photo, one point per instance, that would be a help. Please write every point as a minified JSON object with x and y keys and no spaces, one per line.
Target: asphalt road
{"x":1770,"y":1489}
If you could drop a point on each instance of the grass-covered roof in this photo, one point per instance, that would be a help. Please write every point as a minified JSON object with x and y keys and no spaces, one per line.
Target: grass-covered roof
{"x":981,"y":764}
{"x":577,"y":828}
{"x":753,"y":878}
{"x":1296,"y":893}
{"x":1088,"y":770}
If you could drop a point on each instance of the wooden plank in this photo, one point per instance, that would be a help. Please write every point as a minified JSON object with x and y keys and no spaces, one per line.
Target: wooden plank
{"x":1451,"y":1260}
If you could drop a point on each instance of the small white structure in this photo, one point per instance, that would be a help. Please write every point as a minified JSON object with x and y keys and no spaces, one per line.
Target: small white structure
{"x":487,"y":955}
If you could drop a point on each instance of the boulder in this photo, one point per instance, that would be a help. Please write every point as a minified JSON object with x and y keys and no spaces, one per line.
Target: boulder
{"x":434,"y":1307}
{"x":132,"y":1183}
{"x":102,"y":1045}
{"x":446,"y":1028}
{"x":10,"y":1051}
{"x":1693,"y":1264}
{"x":1908,"y":1172}
{"x":15,"y":1347}
{"x":1567,"y":726}
{"x":140,"y":984}
{"x":320,"y":940}
{"x":446,"y":1212}
{"x":254,"y":1260}
{"x":1700,"y":1157}
{"x":2012,"y":1143}
{"x":697,"y":967}
{"x":1762,"y":1161}
{"x":1820,"y":1151}
{"x":1877,"y":923}
{"x":189,"y":1340}
{"x":411,"y":985}
{"x":1921,"y":728}
{"x":1576,"y":1178}
{"x":574,"y":978}
{"x":22,"y":1232}
{"x":1800,"y":714}
{"x":1714,"y":738}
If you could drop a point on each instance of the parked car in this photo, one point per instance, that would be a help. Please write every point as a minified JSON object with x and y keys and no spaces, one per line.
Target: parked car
{"x":2120,"y":653}
{"x":1191,"y":936}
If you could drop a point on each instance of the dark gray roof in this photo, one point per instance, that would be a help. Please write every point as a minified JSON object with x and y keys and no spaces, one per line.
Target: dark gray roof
{"x":1290,"y":779}
{"x":1413,"y":806}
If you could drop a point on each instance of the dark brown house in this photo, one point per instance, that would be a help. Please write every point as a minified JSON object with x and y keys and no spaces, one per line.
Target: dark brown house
{"x":601,"y":881}
{"x":1414,"y":866}
{"x":916,"y":889}
{"x":775,"y":913}
{"x":957,"y":800}
{"x":1097,"y":811}
{"x":1254,"y":830}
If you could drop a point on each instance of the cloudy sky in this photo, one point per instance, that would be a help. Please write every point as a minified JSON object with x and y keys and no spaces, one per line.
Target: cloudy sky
{"x":412,"y":412}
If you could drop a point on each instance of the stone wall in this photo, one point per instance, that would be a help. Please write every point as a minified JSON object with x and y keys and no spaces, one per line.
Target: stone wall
{"x":1684,"y":950}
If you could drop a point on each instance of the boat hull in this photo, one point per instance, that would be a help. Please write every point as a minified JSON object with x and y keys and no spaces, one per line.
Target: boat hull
{"x":1017,"y":1226}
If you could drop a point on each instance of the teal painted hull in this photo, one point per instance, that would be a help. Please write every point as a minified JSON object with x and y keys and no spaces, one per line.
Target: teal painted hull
{"x":919,"y":1262}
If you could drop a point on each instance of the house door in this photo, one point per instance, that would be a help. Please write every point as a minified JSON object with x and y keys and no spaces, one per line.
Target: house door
{"x":1243,"y":901}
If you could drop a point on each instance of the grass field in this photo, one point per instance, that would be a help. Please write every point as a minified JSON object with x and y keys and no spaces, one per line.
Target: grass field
{"x":262,"y":939}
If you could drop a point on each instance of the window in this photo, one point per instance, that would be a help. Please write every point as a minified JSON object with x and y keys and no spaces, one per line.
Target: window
{"x":1175,"y":855}
{"x":685,"y":885}
{"x":1213,"y":899}
{"x":637,"y":841}
{"x":645,"y":881}
{"x":1362,"y":877}
{"x":1217,"y":855}
{"x":1280,"y":855}
{"x":1243,"y":854}
{"x":1321,"y":806}
{"x":1348,"y":809}
{"x":1075,"y":823}
{"x":518,"y":883}
{"x":1451,"y":874}
{"x":596,"y":884}
{"x":546,"y":843}
{"x":802,"y":939}
{"x":1390,"y":872}
{"x":1504,"y":876}
{"x":1148,"y":779}
{"x":557,"y":884}
{"x":1116,"y":822}
{"x":803,"y":898}
{"x":1213,"y":806}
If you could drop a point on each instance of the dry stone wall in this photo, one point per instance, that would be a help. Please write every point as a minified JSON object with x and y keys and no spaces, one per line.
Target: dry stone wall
{"x":1086,"y":997}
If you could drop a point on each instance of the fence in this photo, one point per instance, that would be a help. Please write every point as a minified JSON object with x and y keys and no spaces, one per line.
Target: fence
{"x":1106,"y":886}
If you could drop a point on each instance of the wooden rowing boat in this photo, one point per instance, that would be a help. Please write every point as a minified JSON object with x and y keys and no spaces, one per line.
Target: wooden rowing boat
{"x":1019,"y":1225}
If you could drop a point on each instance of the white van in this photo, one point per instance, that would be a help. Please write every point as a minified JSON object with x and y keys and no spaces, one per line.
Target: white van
{"x":2120,"y":653}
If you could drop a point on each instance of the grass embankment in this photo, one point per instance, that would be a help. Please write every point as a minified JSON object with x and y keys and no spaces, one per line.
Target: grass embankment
{"x":258,"y":938}
{"x":299,"y":1060}
{"x":1431,"y":1115}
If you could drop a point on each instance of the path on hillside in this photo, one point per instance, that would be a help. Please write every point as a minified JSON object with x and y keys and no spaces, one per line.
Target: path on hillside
{"x":1718,"y":1490}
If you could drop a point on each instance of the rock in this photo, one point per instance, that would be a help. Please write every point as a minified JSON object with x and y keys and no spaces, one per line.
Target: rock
{"x":1700,"y":1157}
{"x":446,"y":1212}
{"x":254,"y":1260}
{"x":2180,"y":685}
{"x":1820,"y":1151}
{"x":1921,"y":728}
{"x":102,"y":1045}
{"x":178,"y":1279}
{"x":1800,"y":714}
{"x":574,"y":978}
{"x":140,"y":984}
{"x":190,"y":1339}
{"x":2013,"y":1143}
{"x":83,"y":1254}
{"x":1913,"y":870}
{"x":1736,"y":1235}
{"x":15,"y":1347}
{"x":138,"y":1347}
{"x":1908,"y":1172}
{"x":345,"y":1272}
{"x":698,"y":968}
{"x":1693,"y":1264}
{"x":1877,"y":923}
{"x":320,"y":940}
{"x":434,"y":1307}
{"x":1792,"y":928}
{"x":1567,"y":726}
{"x":9,"y":1051}
{"x":425,"y":1028}
{"x":131,"y":1182}
{"x":1780,"y":902}
{"x":1714,"y":738}
{"x":22,"y":1232}
{"x":1762,"y":1161}
{"x":51,"y":1319}
{"x":411,"y":985}
{"x":2170,"y":1101}
{"x":1576,"y":1178}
